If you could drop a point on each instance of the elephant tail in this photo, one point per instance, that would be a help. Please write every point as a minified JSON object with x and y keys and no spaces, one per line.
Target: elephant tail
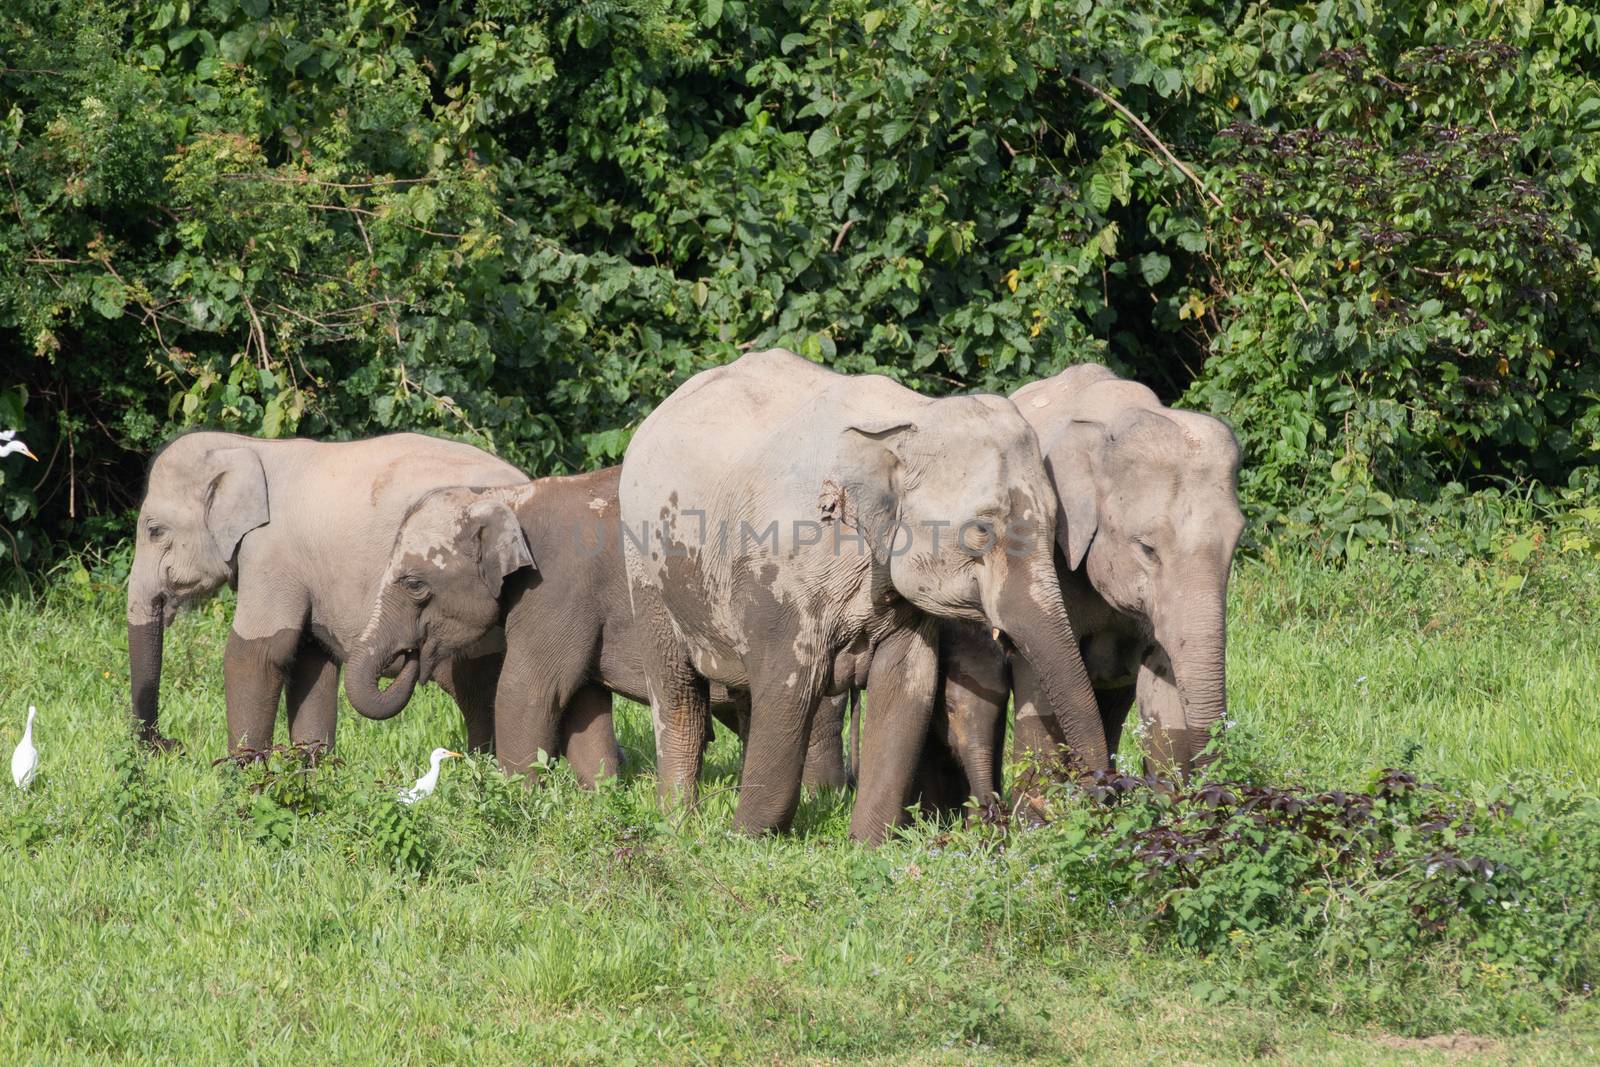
{"x":853,"y":772}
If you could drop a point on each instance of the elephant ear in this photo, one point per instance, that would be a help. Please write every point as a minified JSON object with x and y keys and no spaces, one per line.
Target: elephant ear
{"x":870,"y":459}
{"x":1074,"y":461}
{"x":235,"y":497}
{"x":502,"y":544}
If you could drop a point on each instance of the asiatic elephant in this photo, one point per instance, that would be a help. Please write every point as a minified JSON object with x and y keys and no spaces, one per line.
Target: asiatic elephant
{"x":799,"y":532}
{"x":1147,"y":529}
{"x":302,"y":530}
{"x":546,"y":559}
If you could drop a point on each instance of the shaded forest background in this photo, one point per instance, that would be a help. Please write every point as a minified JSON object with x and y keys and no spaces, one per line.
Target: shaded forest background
{"x":1361,"y":232}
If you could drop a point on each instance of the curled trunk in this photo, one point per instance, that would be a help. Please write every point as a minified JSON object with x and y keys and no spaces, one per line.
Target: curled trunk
{"x":361,"y":684}
{"x":384,"y":638}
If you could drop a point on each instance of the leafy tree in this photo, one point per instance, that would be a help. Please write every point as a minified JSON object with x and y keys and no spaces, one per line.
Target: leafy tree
{"x":1361,"y":233}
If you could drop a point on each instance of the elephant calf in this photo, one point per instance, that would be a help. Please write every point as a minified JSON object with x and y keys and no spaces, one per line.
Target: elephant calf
{"x":545,"y":559}
{"x":302,"y":530}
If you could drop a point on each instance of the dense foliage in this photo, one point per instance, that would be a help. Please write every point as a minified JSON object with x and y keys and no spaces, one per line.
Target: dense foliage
{"x":1339,"y":900}
{"x":1361,"y":231}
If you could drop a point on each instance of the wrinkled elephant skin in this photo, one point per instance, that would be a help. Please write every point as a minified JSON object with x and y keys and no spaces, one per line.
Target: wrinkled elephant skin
{"x":302,"y":530}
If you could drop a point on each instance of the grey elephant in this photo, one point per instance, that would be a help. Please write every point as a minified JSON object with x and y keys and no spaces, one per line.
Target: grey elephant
{"x":798,"y":532}
{"x":546,"y":559}
{"x":1148,"y":525}
{"x":302,"y":530}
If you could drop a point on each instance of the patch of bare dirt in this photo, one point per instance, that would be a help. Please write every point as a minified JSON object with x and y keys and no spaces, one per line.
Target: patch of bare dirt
{"x":1458,"y":1044}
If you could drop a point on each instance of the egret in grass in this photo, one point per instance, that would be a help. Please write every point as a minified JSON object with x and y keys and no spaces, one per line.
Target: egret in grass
{"x":426,"y":783}
{"x":10,"y":445}
{"x":25,"y":760}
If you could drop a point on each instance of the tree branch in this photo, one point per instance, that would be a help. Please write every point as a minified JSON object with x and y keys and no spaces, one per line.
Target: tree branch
{"x":1172,"y":158}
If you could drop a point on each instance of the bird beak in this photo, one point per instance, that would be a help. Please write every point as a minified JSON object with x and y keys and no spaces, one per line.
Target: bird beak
{"x":26,"y":451}
{"x":457,"y":755}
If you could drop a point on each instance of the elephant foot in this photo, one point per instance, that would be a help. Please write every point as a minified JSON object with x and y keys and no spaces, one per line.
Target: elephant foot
{"x":156,"y":741}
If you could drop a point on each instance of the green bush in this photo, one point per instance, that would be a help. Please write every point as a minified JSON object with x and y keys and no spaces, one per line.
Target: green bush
{"x":1338,"y":901}
{"x":525,"y":223}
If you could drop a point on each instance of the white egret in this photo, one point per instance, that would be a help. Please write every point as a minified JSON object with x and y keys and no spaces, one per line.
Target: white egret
{"x":9,"y":445}
{"x":425,"y":784}
{"x":25,"y":760}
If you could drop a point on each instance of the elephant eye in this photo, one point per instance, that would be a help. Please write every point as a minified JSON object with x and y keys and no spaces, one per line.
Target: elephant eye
{"x":978,"y":537}
{"x":1148,"y":550}
{"x":413,"y":585}
{"x":156,"y":531}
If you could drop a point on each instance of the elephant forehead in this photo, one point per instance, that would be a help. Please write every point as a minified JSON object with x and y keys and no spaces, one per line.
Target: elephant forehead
{"x":429,"y":537}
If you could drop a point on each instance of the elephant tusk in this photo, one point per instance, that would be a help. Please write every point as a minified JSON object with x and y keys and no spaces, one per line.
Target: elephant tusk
{"x":995,"y":633}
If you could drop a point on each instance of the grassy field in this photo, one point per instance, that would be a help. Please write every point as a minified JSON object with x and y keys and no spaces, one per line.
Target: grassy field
{"x":172,"y":911}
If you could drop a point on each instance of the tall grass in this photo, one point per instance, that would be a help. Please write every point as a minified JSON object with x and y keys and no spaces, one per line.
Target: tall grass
{"x":144,"y":916}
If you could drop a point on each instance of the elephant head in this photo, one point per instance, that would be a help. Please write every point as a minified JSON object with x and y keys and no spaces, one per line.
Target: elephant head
{"x":957,"y":502}
{"x":205,"y":492}
{"x":1150,"y":512}
{"x":439,"y":594}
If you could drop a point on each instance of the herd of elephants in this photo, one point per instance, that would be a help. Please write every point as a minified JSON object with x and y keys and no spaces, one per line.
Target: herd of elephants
{"x":778,"y":537}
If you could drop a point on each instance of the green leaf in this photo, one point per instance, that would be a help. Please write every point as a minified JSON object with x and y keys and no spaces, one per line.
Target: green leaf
{"x":821,"y":141}
{"x":873,"y":19}
{"x":711,"y":13}
{"x":424,"y":202}
{"x":1100,"y":192}
{"x":894,"y":131}
{"x":1155,"y":267}
{"x":108,"y":296}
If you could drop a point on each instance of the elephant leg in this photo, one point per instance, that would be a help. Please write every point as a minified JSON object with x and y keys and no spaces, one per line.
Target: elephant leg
{"x":1037,"y":732}
{"x":312,"y":696}
{"x":781,"y":719}
{"x":680,"y":701}
{"x":528,"y":707}
{"x":824,"y":766}
{"x":941,"y":787}
{"x":970,"y":714}
{"x":589,"y":736}
{"x":253,"y":672}
{"x":472,"y":682}
{"x":1114,"y":705}
{"x":901,"y":686}
{"x":733,"y":711}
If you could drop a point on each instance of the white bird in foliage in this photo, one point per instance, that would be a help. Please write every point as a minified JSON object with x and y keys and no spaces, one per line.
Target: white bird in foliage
{"x":25,"y":760}
{"x":9,"y":445}
{"x":425,"y":784}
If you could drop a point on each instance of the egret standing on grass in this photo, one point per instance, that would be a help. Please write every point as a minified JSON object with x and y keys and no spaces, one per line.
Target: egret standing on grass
{"x":25,"y":760}
{"x":10,"y":445}
{"x":425,"y":784}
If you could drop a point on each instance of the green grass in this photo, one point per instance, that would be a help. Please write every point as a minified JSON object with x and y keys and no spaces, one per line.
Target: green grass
{"x":557,"y":925}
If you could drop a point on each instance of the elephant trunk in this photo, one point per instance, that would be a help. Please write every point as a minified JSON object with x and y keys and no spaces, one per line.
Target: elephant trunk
{"x":146,"y":634}
{"x":978,"y":761}
{"x":1199,"y":667}
{"x":148,"y":612}
{"x":1031,"y":613}
{"x":375,"y":649}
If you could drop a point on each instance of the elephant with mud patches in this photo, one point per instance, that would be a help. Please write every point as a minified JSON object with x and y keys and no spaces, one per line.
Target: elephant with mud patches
{"x":302,"y":530}
{"x":545,"y":560}
{"x":1149,"y":520}
{"x":798,"y":532}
